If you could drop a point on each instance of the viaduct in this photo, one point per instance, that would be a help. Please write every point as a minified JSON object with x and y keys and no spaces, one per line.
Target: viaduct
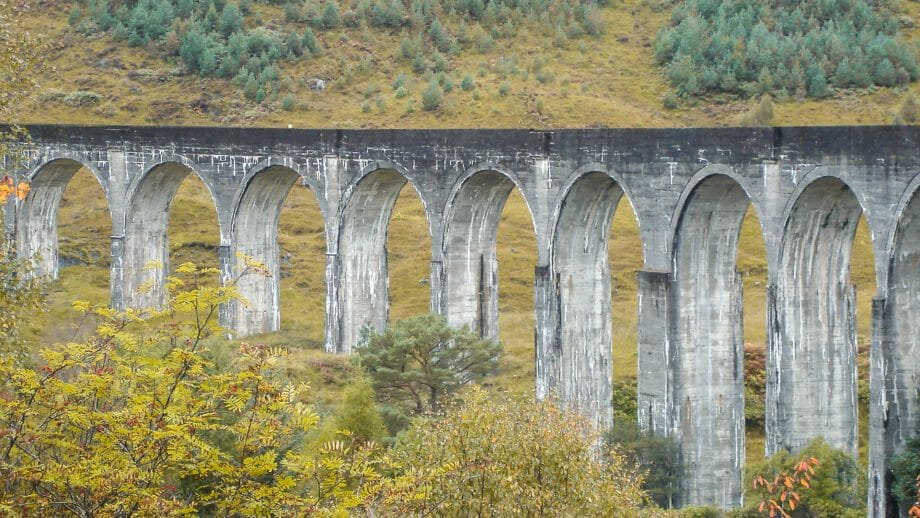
{"x":689,"y":189}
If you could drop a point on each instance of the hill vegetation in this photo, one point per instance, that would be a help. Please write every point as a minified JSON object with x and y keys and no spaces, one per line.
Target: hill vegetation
{"x":800,"y":49}
{"x":518,"y":64}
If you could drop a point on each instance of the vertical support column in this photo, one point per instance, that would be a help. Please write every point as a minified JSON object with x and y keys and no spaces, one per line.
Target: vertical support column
{"x":655,"y":376}
{"x":775,"y":416}
{"x":332,"y":173}
{"x":812,"y":375}
{"x":488,"y":295}
{"x":548,"y":346}
{"x":708,"y":390}
{"x":225,"y":313}
{"x":333,"y":320}
{"x":117,"y":298}
{"x":883,"y":409}
{"x":436,"y":302}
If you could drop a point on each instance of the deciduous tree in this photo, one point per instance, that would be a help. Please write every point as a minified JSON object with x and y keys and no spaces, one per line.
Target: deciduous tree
{"x":514,"y":456}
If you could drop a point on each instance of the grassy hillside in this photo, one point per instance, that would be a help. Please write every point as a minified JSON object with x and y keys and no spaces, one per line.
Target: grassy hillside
{"x":582,"y":82}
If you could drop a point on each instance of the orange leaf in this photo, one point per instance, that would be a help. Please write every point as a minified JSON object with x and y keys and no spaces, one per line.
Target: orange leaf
{"x":22,"y":191}
{"x":804,"y":482}
{"x":792,"y":505}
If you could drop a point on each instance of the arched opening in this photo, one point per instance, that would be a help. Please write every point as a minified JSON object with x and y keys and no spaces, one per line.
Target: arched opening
{"x":71,"y":218}
{"x":624,"y":255}
{"x":409,"y":257}
{"x":363,"y":298}
{"x":709,"y":342}
{"x":863,"y":279}
{"x":582,"y":274}
{"x":752,"y":267}
{"x":470,"y":260}
{"x":516,"y":253}
{"x":812,"y":380}
{"x":302,"y":266}
{"x":37,"y":222}
{"x":169,"y":221}
{"x":488,"y":222}
{"x":255,"y":238}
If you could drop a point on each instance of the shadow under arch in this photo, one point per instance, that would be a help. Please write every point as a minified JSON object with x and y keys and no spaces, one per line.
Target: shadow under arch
{"x":811,"y":360}
{"x":145,"y":256}
{"x":37,"y":218}
{"x":708,"y":357}
{"x":582,"y":313}
{"x":362,"y":283}
{"x":468,"y":248}
{"x":255,"y":237}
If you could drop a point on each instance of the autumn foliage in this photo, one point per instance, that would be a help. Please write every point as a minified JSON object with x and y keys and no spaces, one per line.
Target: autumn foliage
{"x":9,"y":189}
{"x":137,"y":420}
{"x":915,"y":509}
{"x":780,"y":495}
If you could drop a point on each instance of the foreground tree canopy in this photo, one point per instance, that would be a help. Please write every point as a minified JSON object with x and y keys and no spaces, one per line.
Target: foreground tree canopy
{"x":795,"y":48}
{"x":148,"y":417}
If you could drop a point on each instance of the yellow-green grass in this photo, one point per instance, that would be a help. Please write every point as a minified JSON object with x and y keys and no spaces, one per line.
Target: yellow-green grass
{"x":605,"y":81}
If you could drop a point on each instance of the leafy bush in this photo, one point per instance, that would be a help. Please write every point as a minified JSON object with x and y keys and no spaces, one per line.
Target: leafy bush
{"x":21,"y":294}
{"x":515,"y":457}
{"x":910,"y":109}
{"x":82,"y":98}
{"x":837,"y":487}
{"x":806,"y":48}
{"x":467,"y":83}
{"x":905,"y":470}
{"x":625,"y":402}
{"x":755,"y":386}
{"x":659,"y":458}
{"x":137,"y":420}
{"x":431,"y":96}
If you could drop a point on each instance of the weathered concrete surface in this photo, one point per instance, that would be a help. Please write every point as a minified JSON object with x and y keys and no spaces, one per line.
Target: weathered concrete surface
{"x":813,"y":349}
{"x":709,"y":342}
{"x":689,"y":189}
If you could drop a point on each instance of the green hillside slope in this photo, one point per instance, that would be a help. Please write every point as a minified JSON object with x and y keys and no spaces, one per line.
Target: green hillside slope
{"x":528,"y":78}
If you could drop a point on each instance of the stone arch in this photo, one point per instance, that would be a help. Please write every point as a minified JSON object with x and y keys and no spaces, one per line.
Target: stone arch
{"x":811,"y":362}
{"x":708,"y":360}
{"x":255,"y":236}
{"x":581,"y":274}
{"x":468,"y":249}
{"x":900,"y":339}
{"x":36,"y":222}
{"x":145,"y":259}
{"x":361,"y":256}
{"x":701,"y":176}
